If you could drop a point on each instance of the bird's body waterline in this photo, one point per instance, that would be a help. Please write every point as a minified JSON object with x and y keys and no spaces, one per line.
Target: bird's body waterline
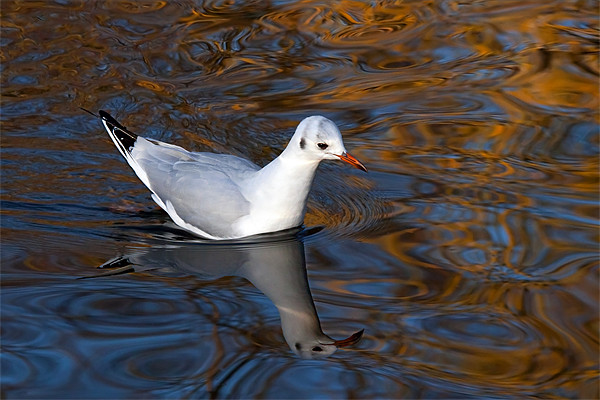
{"x":220,"y":196}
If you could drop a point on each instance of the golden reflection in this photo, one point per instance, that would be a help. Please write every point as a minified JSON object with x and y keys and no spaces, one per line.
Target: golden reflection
{"x":470,"y":251}
{"x":151,"y":85}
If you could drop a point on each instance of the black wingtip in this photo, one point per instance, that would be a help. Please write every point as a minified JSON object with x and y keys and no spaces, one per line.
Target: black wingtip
{"x":118,"y":262}
{"x":89,"y":112}
{"x":109,"y":119}
{"x":120,"y":132}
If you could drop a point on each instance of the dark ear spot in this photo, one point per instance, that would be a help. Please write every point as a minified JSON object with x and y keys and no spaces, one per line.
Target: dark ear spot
{"x":302,"y":143}
{"x":298,"y":346}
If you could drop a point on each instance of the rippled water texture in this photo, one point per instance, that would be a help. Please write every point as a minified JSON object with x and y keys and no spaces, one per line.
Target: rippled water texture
{"x":468,"y":253}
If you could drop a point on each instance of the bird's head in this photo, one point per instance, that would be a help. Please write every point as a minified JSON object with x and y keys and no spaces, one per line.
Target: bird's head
{"x":322,"y":345}
{"x":318,"y":138}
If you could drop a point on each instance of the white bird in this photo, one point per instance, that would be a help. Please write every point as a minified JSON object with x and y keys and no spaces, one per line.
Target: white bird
{"x":221,"y":196}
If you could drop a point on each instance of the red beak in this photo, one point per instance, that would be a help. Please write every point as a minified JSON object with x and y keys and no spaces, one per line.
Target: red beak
{"x":352,"y":161}
{"x":355,"y":338}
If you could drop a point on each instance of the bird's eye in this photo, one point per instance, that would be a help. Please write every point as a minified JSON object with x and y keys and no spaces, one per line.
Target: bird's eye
{"x":317,"y":348}
{"x":322,"y":146}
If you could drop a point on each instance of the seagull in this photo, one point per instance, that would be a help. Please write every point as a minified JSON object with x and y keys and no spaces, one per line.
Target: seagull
{"x":221,"y":196}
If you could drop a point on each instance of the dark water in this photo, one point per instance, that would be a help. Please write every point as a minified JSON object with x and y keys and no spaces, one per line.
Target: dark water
{"x":468,"y":253}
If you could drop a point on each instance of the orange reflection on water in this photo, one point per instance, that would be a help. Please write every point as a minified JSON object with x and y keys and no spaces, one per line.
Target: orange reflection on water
{"x":469,"y":251}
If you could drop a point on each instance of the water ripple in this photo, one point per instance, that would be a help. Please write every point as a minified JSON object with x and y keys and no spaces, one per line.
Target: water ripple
{"x":468,"y":252}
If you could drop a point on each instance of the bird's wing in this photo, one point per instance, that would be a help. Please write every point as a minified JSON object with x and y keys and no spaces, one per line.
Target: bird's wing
{"x":184,"y":183}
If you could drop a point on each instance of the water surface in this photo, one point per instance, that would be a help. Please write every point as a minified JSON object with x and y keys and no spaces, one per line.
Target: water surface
{"x":468,"y":253}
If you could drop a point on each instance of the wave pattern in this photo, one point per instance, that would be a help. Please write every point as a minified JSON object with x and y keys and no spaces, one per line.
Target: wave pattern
{"x":469,"y":252}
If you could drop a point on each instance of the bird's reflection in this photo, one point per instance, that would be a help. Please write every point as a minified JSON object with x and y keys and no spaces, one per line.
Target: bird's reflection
{"x":275,"y":267}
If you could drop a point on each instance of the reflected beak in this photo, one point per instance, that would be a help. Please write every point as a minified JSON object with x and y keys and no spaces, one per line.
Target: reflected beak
{"x":352,"y":340}
{"x":352,"y":161}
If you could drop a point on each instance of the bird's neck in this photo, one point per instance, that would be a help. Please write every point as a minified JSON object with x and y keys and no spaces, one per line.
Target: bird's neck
{"x":285,"y":183}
